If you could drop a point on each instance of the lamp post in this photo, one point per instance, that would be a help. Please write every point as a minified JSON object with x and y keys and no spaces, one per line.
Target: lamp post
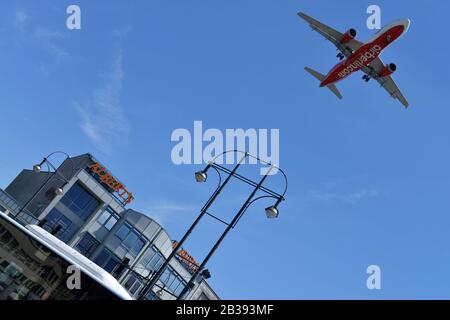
{"x":37,"y":168}
{"x":271,"y":212}
{"x":202,"y":176}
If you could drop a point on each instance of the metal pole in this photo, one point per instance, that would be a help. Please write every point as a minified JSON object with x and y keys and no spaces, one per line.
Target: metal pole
{"x":230,"y":226}
{"x":146,"y":289}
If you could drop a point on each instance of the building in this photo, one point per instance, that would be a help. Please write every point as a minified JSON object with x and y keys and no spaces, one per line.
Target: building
{"x":85,"y":206}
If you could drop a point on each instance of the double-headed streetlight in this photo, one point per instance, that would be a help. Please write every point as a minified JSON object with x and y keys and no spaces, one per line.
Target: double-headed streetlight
{"x":202,"y":176}
{"x":37,"y":168}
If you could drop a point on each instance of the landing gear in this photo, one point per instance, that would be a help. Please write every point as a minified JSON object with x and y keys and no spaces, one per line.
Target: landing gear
{"x":340,"y":56}
{"x":366,"y":78}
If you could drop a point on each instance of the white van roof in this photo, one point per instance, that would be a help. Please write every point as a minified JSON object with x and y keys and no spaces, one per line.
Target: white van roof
{"x":74,"y":257}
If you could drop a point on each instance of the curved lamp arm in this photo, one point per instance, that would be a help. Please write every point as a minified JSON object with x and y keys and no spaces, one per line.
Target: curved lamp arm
{"x":246,"y":154}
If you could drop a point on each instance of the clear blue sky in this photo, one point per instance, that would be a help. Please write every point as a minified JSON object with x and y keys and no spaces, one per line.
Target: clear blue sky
{"x":369,"y":181}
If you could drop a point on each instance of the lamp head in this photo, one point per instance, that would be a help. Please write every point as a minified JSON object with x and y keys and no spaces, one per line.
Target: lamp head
{"x":272,"y":212}
{"x":38,"y":167}
{"x":59,"y":191}
{"x":201,"y":176}
{"x":206,"y":274}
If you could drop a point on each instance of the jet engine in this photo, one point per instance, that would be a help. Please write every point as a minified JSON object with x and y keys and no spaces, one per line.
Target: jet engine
{"x":388,"y":70}
{"x":349,"y":35}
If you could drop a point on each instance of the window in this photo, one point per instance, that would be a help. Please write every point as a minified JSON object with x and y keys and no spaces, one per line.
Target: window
{"x":87,"y":245}
{"x":107,"y":260}
{"x":123,"y":231}
{"x":131,"y":239}
{"x":59,"y":225}
{"x":108,"y":218}
{"x":104,"y":217}
{"x":80,"y":201}
{"x":151,"y":296}
{"x":140,"y":243}
{"x":133,"y":284}
{"x":173,"y":281}
{"x":152,"y":259}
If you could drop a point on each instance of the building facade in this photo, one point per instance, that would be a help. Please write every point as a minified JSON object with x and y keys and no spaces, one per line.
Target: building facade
{"x":85,"y":206}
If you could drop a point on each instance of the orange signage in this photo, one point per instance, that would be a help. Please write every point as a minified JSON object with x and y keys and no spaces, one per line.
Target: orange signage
{"x":108,"y":179}
{"x":186,"y":258}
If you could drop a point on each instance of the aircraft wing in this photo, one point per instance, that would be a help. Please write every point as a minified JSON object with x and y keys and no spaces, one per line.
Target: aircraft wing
{"x":332,"y":35}
{"x":374,"y":69}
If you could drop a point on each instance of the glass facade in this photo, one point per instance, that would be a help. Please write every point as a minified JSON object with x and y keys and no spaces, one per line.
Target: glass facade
{"x":31,"y":271}
{"x":151,"y":260}
{"x":108,"y":218}
{"x":107,"y":260}
{"x":132,"y":240}
{"x":173,"y":281}
{"x":80,"y":201}
{"x":59,"y":225}
{"x":133,"y":283}
{"x":152,"y":296}
{"x":87,"y":245}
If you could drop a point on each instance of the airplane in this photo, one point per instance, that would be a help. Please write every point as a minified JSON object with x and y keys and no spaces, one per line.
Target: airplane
{"x":360,"y":56}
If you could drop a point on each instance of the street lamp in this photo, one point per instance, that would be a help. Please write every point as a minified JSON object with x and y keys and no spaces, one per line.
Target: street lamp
{"x":58,"y":191}
{"x":37,"y":168}
{"x":272,"y":212}
{"x":206,"y":274}
{"x":201,"y":176}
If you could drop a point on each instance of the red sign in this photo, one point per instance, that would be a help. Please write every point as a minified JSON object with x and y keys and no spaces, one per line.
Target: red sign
{"x":108,"y":179}
{"x":184,"y":256}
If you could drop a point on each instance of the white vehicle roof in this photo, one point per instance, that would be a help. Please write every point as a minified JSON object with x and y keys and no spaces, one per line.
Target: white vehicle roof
{"x":74,"y":257}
